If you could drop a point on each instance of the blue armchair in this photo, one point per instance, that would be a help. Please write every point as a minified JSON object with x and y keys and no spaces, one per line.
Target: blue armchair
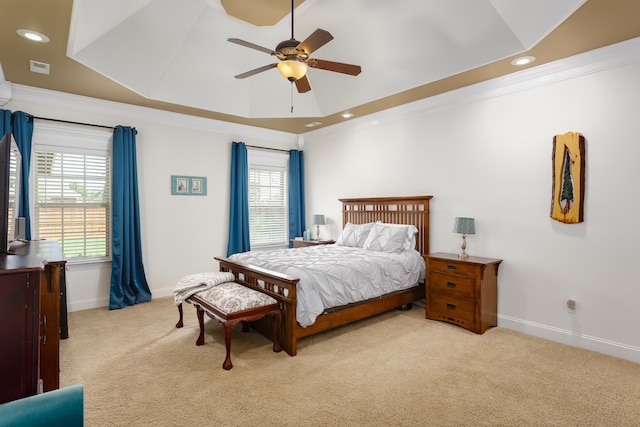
{"x":58,"y":408}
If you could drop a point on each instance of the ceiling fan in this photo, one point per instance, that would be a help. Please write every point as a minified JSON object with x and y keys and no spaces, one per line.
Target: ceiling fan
{"x":294,"y":58}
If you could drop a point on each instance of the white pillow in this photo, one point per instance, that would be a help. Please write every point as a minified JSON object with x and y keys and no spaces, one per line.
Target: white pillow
{"x":354,"y":235}
{"x":410,"y":242}
{"x":383,"y":238}
{"x":393,"y":238}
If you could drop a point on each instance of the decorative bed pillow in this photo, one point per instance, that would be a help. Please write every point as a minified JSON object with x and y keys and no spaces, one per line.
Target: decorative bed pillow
{"x":410,"y":242}
{"x":354,"y":235}
{"x":393,"y":238}
{"x":385,"y":239}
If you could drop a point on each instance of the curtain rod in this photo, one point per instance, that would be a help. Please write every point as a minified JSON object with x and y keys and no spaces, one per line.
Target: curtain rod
{"x":70,"y":122}
{"x":267,"y":148}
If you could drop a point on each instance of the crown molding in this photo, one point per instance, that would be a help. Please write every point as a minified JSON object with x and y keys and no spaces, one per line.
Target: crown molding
{"x":594,"y":61}
{"x":597,"y":60}
{"x":132,"y":113}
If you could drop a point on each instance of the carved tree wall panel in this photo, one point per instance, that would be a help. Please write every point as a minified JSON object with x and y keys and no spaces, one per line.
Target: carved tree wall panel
{"x":568,"y":163}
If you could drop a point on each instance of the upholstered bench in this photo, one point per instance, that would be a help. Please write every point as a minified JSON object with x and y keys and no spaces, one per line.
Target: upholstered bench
{"x":230,"y":303}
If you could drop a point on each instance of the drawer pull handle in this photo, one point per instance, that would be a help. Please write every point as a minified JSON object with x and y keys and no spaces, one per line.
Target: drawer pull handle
{"x":451,"y":267}
{"x":43,"y":322}
{"x":451,"y":306}
{"x":451,"y":285}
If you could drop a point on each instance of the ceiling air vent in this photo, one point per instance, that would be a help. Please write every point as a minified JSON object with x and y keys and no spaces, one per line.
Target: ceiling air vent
{"x":39,"y":67}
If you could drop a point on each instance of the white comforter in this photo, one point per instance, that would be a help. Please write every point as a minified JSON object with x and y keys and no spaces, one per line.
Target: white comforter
{"x":332,"y":275}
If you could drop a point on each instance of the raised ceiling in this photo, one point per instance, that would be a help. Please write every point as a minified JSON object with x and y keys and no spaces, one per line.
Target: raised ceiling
{"x":174,"y":55}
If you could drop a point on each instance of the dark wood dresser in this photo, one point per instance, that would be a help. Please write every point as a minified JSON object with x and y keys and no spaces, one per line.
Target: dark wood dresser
{"x":30,"y":287}
{"x":462,"y":291}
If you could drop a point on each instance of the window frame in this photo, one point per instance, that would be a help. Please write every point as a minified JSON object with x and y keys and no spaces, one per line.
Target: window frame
{"x":67,"y":139}
{"x":265,"y":159}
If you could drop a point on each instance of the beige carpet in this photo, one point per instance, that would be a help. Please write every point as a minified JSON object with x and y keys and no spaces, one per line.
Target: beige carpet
{"x":395,"y":369}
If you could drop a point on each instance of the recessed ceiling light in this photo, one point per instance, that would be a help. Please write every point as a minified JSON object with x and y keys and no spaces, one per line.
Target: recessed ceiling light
{"x":33,"y":35}
{"x":313,"y":124}
{"x":347,"y":115}
{"x":523,"y":60}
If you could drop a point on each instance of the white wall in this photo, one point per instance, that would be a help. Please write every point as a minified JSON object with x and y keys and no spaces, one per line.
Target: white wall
{"x":482,"y":151}
{"x":180,"y":234}
{"x":491,"y":159}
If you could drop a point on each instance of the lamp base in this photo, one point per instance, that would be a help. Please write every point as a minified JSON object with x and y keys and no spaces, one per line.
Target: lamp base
{"x":463,"y":254}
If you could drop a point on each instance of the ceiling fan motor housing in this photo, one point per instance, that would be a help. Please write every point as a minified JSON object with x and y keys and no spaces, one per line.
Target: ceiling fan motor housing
{"x":288,"y":50}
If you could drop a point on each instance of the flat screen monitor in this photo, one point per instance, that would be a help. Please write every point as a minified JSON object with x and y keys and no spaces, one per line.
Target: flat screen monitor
{"x":10,"y":164}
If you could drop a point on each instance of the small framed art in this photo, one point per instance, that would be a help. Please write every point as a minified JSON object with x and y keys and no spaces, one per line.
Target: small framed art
{"x":182,"y":185}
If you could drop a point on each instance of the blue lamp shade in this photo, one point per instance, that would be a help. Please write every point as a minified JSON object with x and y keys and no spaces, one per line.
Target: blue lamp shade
{"x":318,"y":220}
{"x":464,"y":225}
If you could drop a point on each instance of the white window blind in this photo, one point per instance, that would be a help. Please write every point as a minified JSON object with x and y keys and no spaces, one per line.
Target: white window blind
{"x":267,"y":206}
{"x":72,"y":202}
{"x":14,"y":183}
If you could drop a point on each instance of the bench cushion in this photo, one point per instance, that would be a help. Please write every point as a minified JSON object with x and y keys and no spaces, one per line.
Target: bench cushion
{"x":232,"y":297}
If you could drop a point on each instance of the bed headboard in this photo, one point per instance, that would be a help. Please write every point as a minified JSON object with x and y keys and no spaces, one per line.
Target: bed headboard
{"x":393,"y":210}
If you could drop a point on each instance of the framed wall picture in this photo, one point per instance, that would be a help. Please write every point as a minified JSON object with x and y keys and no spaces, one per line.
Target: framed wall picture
{"x":183,"y":185}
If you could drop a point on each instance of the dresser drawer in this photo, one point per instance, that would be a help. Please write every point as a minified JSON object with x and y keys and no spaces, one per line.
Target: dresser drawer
{"x":458,"y":286}
{"x":452,"y":267}
{"x":444,"y":307}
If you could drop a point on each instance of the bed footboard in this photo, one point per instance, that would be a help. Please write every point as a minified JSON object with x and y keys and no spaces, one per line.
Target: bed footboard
{"x":279,"y":286}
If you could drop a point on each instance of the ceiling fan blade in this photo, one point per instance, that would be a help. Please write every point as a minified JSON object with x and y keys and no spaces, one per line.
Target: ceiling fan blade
{"x":303,"y":85}
{"x":315,"y":41}
{"x":256,"y":71}
{"x":338,"y":67}
{"x":251,"y":45}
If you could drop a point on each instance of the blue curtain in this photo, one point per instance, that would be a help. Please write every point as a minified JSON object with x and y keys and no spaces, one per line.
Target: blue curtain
{"x":297,"y":223}
{"x":128,"y":282}
{"x":5,"y":122}
{"x":22,"y":128}
{"x":239,"y":201}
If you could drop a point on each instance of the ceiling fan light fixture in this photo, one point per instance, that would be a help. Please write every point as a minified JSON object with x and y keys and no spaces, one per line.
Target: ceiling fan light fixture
{"x":292,"y":70}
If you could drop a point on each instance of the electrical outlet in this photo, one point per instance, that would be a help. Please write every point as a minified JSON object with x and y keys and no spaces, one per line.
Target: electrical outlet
{"x":571,"y":305}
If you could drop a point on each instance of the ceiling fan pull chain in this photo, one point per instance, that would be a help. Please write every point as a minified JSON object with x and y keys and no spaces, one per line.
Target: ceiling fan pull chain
{"x":291,"y":97}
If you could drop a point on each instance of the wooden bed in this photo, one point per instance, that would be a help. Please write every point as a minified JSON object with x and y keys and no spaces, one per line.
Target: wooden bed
{"x":395,"y":210}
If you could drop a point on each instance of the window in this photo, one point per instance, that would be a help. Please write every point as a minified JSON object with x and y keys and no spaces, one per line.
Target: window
{"x":267,"y":199}
{"x":72,"y":196}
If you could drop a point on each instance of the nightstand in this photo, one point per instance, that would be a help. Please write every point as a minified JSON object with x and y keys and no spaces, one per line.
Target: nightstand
{"x":303,"y":243}
{"x":462,"y":291}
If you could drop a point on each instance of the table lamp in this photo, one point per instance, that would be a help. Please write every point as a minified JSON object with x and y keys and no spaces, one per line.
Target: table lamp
{"x":464,"y":226}
{"x":318,"y":220}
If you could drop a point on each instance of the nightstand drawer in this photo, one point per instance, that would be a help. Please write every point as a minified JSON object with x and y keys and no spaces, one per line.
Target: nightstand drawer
{"x":443,"y":307}
{"x":459,"y":286}
{"x":452,"y":267}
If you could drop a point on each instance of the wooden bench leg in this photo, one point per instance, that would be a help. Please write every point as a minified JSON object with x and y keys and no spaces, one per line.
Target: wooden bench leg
{"x":200,"y":312}
{"x":180,"y":324}
{"x":227,"y":326}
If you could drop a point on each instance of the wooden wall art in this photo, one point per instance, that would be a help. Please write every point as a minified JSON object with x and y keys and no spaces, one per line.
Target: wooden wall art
{"x":568,"y":162}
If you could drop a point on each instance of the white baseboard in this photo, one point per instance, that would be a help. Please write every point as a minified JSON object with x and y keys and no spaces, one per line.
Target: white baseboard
{"x":564,"y":336}
{"x":87,"y":304}
{"x":104,"y":302}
